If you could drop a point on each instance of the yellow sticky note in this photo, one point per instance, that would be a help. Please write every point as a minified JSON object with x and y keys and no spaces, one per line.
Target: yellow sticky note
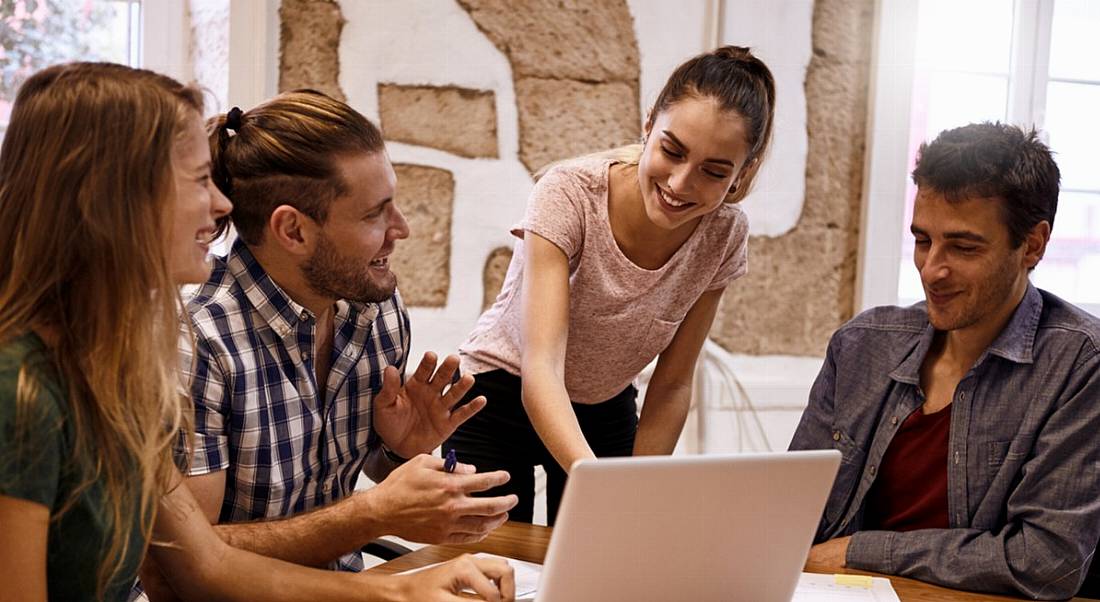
{"x":853,"y":580}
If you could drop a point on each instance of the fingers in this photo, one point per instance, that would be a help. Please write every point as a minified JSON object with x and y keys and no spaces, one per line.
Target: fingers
{"x":444,"y":375}
{"x":465,"y":412}
{"x":391,"y":384}
{"x":482,"y":481}
{"x":491,"y":578}
{"x":424,"y":370}
{"x":501,"y":573}
{"x":490,"y":506}
{"x":472,"y":529}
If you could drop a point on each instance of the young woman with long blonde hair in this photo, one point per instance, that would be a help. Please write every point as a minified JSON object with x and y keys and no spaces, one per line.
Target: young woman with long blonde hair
{"x":106,"y":206}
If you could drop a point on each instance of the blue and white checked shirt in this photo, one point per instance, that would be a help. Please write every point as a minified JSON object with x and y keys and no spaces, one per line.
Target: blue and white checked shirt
{"x":258,"y":414}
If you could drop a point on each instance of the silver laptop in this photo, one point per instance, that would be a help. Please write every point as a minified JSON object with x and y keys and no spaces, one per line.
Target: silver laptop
{"x":722,"y":527}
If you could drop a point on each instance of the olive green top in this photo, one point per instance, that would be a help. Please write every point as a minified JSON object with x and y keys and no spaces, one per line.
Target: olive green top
{"x":37,"y":465}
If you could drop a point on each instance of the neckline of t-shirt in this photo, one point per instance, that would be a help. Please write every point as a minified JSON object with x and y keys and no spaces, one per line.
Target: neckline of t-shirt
{"x":605,"y":219}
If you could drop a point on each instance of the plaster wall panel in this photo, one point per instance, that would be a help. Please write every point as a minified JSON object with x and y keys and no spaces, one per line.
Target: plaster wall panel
{"x":309,"y":43}
{"x":436,"y":43}
{"x":457,"y":120}
{"x":779,"y":32}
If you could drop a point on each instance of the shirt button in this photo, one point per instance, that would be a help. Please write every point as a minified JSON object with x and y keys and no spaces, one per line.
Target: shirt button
{"x":305,"y":356}
{"x":894,"y":421}
{"x":872,"y":470}
{"x":836,"y":435}
{"x":962,"y":396}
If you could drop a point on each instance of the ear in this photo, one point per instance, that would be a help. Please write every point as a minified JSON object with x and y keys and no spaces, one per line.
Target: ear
{"x":1035,"y":243}
{"x":292,"y":230}
{"x":648,"y":127}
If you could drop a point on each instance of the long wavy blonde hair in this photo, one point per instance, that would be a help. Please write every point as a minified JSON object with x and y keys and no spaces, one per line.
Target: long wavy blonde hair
{"x":85,"y":186}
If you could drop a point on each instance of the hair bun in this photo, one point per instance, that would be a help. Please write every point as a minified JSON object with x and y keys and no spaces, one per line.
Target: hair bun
{"x":233,"y":119}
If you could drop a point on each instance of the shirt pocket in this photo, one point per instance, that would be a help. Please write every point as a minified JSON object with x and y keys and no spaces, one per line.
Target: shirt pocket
{"x":847,"y":477}
{"x":658,"y":335}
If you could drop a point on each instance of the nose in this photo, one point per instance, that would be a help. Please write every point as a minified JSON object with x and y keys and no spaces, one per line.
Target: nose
{"x":932,"y":264}
{"x":399,"y":227}
{"x":679,"y":180}
{"x":219,"y":204}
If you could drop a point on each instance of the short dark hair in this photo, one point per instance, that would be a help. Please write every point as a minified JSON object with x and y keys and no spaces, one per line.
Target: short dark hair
{"x":994,"y":160}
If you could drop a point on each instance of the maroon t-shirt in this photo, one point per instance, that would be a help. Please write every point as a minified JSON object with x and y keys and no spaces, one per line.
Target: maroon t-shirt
{"x":910,"y":491}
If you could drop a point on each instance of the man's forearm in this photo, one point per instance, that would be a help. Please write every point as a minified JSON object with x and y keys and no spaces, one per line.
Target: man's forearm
{"x":314,"y":538}
{"x":1041,"y":569}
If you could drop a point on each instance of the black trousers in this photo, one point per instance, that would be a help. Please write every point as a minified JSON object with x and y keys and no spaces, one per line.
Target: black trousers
{"x":501,"y":437}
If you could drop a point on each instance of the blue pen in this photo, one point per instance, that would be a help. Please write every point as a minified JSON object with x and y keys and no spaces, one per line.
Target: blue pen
{"x":450,"y":461}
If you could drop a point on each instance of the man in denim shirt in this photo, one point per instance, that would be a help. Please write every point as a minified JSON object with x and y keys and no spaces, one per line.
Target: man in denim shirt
{"x":970,"y":423}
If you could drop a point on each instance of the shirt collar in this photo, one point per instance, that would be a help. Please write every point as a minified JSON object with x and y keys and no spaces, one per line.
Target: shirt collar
{"x":1014,"y":343}
{"x":280,"y":312}
{"x":1017,"y":340}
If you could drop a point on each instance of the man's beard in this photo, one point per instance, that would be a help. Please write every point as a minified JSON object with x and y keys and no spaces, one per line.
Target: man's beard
{"x":330,"y":275}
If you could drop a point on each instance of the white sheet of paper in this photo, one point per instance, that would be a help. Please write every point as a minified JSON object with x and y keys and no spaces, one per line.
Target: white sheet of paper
{"x":527,"y":573}
{"x":815,"y":587}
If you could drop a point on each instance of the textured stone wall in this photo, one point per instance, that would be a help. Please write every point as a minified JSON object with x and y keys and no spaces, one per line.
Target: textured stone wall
{"x":492,"y":279}
{"x":457,"y":120}
{"x":309,"y":46}
{"x":423,"y":262}
{"x":575,"y":67}
{"x":801,"y":286}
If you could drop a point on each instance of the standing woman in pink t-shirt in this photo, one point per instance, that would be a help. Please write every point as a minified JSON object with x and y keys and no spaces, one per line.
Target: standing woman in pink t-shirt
{"x":623,"y":256}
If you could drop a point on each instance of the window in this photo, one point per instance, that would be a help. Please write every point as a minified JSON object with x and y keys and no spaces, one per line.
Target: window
{"x":37,"y":33}
{"x":1029,"y":62}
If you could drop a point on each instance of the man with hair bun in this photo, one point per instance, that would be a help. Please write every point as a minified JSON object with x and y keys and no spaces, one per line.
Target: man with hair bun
{"x":301,"y":347}
{"x":968,"y":422}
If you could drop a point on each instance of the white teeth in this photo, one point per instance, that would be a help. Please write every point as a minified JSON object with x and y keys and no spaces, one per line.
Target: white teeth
{"x":380,"y":262}
{"x":670,"y":200}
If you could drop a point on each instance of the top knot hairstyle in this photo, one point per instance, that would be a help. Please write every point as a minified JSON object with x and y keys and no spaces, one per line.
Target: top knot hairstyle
{"x":283,"y":152}
{"x":994,"y":160}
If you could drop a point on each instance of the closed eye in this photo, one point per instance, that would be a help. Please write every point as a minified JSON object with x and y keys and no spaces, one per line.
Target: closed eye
{"x":672,"y":153}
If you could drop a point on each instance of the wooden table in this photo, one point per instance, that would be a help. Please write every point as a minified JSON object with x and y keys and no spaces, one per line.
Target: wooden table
{"x":529,"y":542}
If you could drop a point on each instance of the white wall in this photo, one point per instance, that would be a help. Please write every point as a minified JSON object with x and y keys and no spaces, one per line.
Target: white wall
{"x":435,"y":42}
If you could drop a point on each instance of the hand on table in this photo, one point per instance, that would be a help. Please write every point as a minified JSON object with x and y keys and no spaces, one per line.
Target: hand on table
{"x":829,"y":555}
{"x":417,"y":417}
{"x":491,"y":578}
{"x":418,"y":501}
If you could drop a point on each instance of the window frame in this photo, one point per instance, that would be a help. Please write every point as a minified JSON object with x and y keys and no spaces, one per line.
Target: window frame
{"x":886,"y":168}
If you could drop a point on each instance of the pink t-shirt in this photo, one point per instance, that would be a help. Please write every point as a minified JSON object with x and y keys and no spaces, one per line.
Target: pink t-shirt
{"x":621,"y":316}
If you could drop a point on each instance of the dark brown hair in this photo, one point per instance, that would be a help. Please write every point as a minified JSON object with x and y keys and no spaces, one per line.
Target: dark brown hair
{"x":283,"y":152}
{"x":994,"y":160}
{"x":740,"y":83}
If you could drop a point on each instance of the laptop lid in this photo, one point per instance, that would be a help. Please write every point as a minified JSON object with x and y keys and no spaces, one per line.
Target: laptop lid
{"x":716,"y":527}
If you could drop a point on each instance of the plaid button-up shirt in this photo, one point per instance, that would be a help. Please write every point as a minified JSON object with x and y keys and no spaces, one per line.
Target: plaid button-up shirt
{"x":287,"y":445}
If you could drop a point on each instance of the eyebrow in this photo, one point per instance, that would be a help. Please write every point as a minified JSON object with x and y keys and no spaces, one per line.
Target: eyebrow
{"x":955,"y":235}
{"x":378,"y":206}
{"x":707,"y":160}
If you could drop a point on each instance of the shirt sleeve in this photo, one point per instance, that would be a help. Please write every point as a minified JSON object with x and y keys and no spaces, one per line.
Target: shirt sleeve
{"x":735,"y":262}
{"x":206,"y":382}
{"x":555,"y":210}
{"x":31,"y":445}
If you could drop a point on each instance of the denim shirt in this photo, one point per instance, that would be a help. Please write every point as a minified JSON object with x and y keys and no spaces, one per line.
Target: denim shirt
{"x":1023,"y":469}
